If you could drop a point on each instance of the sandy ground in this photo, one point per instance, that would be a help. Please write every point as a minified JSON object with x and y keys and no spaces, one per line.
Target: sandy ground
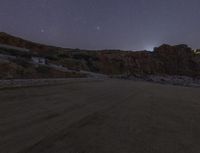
{"x":111,"y":116}
{"x":12,"y":83}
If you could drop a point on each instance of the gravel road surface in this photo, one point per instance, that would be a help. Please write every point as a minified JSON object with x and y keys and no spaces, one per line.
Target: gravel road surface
{"x":102,"y":116}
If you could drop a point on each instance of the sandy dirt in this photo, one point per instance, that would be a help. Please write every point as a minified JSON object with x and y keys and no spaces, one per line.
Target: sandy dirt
{"x":110,"y":116}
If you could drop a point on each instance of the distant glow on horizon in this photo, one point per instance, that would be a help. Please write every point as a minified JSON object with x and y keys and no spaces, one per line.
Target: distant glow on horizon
{"x":149,"y":48}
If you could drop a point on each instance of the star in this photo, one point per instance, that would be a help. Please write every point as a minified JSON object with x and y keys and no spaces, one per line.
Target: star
{"x":98,"y":28}
{"x":42,"y":30}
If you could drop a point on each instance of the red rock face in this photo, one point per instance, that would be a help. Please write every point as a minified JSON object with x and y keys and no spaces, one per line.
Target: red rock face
{"x":166,"y":59}
{"x":176,"y":60}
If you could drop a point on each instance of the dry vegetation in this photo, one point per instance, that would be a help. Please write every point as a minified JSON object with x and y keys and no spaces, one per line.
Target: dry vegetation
{"x":165,"y":60}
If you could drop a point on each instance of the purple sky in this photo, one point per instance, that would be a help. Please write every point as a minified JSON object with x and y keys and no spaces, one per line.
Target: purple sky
{"x":103,"y":24}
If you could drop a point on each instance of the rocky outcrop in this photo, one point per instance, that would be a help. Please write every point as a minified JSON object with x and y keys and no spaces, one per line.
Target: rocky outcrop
{"x":176,"y":60}
{"x":164,"y":60}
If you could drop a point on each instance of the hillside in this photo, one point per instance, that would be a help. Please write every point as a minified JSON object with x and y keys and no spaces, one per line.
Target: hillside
{"x":22,"y":43}
{"x":178,"y":60}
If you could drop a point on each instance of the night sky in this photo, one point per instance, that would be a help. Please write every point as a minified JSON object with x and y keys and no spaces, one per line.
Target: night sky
{"x":103,"y":24}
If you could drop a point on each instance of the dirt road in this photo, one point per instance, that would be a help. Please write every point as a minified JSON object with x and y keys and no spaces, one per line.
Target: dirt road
{"x":111,"y":116}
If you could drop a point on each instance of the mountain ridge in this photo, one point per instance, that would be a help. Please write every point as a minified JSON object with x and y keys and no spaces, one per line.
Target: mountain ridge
{"x":164,"y":60}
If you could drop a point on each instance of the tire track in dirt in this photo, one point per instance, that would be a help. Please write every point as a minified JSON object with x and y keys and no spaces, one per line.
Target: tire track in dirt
{"x":97,"y":117}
